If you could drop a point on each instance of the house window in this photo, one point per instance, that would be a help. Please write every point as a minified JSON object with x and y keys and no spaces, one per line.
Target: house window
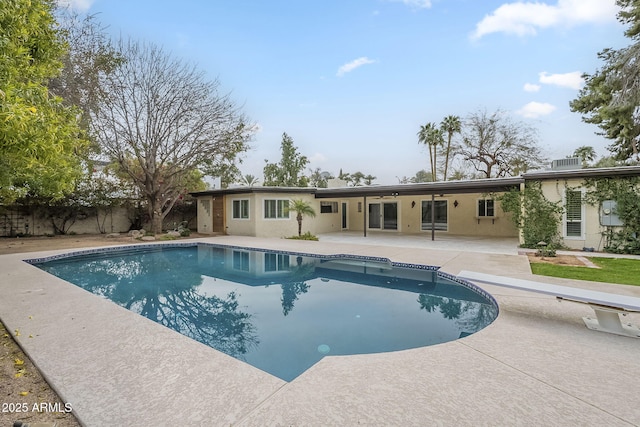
{"x":573,"y":214}
{"x":241,"y":209}
{"x":276,"y":209}
{"x":328,"y":207}
{"x":241,"y":260}
{"x":276,"y":262}
{"x":486,"y":208}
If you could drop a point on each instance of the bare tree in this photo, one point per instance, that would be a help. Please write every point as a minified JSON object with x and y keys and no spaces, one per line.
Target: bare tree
{"x":496,"y":146}
{"x":90,"y":56}
{"x":160,"y":120}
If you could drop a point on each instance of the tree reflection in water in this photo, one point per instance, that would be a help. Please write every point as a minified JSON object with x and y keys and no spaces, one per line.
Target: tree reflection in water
{"x":169,"y":296}
{"x":293,"y":288}
{"x":469,"y":316}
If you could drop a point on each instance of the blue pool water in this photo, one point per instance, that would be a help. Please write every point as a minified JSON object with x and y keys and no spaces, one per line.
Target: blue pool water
{"x":282,"y":312}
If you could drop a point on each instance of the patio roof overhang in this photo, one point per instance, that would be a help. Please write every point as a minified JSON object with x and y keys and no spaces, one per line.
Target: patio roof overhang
{"x":256,"y":189}
{"x":493,"y":185}
{"x":615,"y":172}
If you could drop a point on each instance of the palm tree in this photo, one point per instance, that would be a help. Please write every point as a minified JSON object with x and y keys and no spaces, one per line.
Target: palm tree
{"x":345,"y":176}
{"x":249,"y":180}
{"x":368,"y":180}
{"x":356,"y":178}
{"x":586,"y":153}
{"x":431,"y":136}
{"x":301,"y":208}
{"x":450,"y":124}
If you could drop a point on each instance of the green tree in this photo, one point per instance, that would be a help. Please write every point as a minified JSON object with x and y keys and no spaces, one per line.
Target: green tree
{"x":496,"y":146}
{"x":39,"y":136}
{"x":450,"y":125}
{"x":610,"y":98}
{"x":319,"y":179}
{"x":536,"y":217}
{"x":224,"y":168}
{"x":368,"y":179}
{"x":301,"y":208}
{"x":431,"y":136}
{"x":161,"y":121}
{"x":422,"y":176}
{"x":287,"y":172}
{"x":586,"y":154}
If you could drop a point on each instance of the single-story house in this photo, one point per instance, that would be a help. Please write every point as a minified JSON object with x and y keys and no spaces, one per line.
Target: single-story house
{"x":465,"y":208}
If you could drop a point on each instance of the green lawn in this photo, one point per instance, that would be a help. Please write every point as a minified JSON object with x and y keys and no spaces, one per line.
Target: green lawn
{"x":612,"y":270}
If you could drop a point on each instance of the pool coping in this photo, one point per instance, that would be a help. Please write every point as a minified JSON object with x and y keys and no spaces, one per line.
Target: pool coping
{"x":515,"y":369}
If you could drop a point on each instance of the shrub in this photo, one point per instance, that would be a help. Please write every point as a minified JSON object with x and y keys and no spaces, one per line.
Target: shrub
{"x":305,"y":236}
{"x":536,"y":217}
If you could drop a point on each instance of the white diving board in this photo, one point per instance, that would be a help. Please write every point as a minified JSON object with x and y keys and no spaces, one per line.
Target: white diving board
{"x":606,"y":306}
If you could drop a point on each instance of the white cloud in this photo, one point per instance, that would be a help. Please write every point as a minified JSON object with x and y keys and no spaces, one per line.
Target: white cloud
{"x":350,"y":66}
{"x":526,"y":18}
{"x":79,"y":5}
{"x":418,"y":4}
{"x":530,"y":87}
{"x":572,"y":80}
{"x":536,"y":109}
{"x":318,"y":158}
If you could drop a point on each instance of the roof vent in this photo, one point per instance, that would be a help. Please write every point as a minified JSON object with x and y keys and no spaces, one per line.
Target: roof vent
{"x":566,"y":164}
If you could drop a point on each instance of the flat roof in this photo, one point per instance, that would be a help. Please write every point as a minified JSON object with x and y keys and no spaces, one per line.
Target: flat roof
{"x":488,"y":185}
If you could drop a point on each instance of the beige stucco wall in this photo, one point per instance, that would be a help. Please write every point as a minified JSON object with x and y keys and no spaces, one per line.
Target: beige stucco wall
{"x":554,"y":191}
{"x":257,"y":225}
{"x":462,"y":220}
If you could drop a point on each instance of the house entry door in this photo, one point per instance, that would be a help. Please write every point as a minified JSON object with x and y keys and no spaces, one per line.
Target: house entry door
{"x":344,"y":216}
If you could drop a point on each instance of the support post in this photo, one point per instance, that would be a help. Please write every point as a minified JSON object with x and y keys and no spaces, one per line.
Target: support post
{"x":433,"y":217}
{"x":364,"y":211}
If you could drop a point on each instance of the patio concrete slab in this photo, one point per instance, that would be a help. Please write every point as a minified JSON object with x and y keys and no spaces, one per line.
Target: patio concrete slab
{"x":535,"y":365}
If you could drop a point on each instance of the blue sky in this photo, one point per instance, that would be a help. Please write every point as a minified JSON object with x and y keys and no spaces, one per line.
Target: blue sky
{"x":351,"y":81}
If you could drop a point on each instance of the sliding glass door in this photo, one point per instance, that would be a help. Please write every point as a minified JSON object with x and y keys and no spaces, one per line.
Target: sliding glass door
{"x":383,"y":216}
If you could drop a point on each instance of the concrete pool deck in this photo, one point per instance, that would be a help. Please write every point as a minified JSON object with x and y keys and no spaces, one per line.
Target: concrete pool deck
{"x":537,"y":364}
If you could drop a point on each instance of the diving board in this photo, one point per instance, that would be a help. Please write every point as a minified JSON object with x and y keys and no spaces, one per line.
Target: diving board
{"x":606,"y":306}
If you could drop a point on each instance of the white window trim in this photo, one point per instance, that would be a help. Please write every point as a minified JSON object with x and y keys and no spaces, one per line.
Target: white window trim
{"x":485,"y":208}
{"x":582,"y":216}
{"x":264,"y":211}
{"x":248,"y":210}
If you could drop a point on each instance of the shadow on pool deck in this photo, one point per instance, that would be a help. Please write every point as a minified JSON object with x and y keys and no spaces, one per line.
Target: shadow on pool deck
{"x":535,"y":365}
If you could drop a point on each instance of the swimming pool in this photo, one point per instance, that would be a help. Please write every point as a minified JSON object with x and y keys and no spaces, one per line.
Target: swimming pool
{"x":281,"y":311}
